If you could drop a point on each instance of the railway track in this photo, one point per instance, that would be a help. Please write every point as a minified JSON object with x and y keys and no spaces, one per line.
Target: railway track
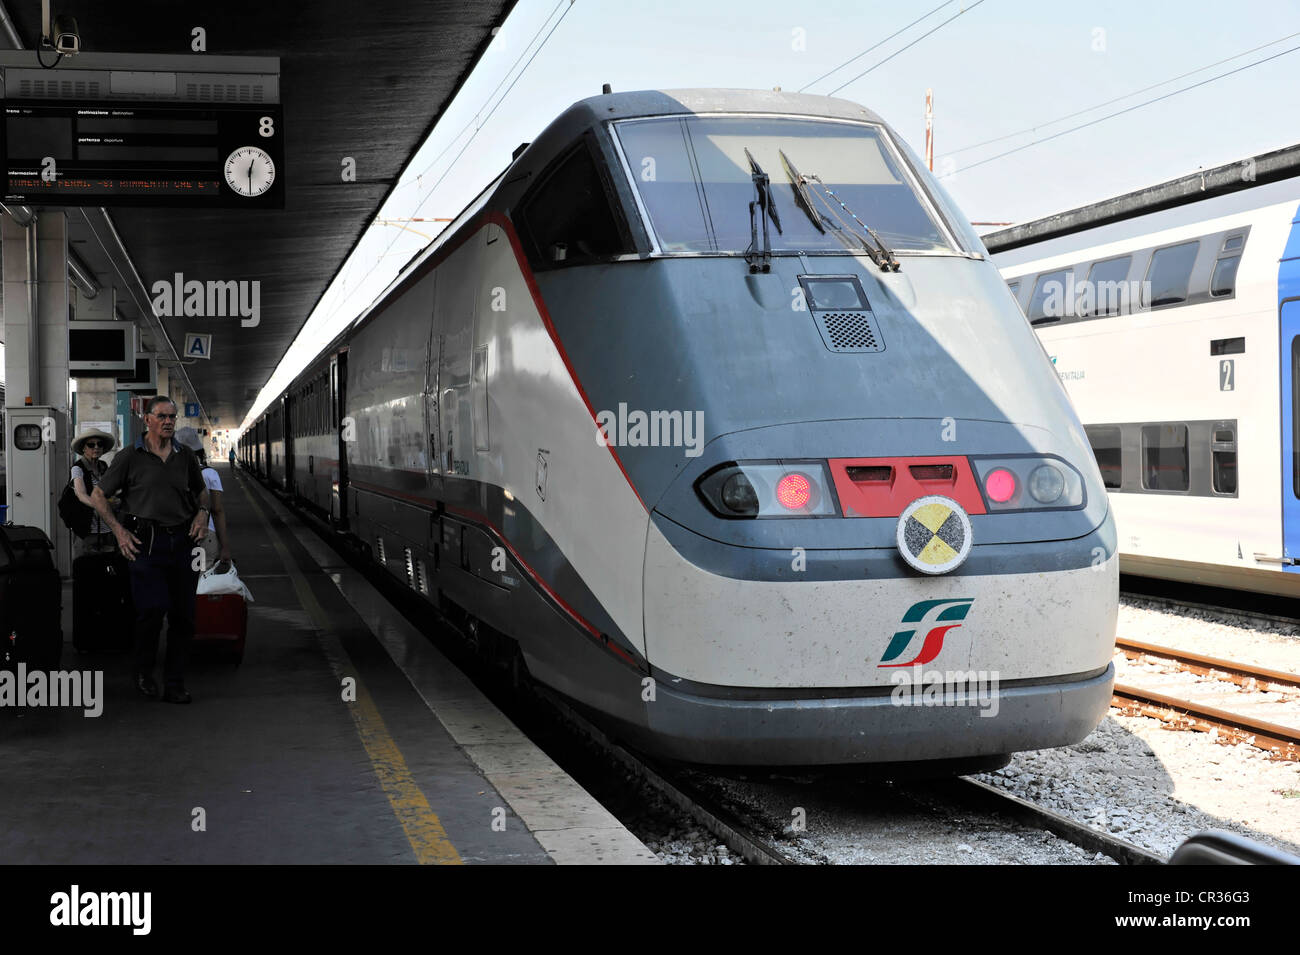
{"x":1283,"y":742}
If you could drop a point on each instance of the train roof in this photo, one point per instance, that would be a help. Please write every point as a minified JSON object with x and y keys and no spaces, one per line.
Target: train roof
{"x":1244,"y":174}
{"x":608,"y":106}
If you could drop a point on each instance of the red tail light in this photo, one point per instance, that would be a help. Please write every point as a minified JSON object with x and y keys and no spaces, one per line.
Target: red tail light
{"x":1000,"y":485}
{"x":793,"y":491}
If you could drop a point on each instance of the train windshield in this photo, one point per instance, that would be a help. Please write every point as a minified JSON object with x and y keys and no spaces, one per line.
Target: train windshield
{"x":830,"y":182}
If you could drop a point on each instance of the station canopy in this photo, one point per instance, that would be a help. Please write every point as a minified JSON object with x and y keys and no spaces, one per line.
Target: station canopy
{"x":366,"y":80}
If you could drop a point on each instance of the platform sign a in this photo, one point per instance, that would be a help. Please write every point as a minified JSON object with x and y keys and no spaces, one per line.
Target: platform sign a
{"x":198,"y":345}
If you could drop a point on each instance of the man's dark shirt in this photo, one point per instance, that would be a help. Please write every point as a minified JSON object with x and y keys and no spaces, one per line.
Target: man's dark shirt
{"x":162,"y":491}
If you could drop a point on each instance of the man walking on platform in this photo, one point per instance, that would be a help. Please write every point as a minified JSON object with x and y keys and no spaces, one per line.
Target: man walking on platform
{"x":165,"y":508}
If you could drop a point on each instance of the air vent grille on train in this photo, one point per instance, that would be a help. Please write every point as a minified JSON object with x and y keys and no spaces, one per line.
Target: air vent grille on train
{"x":410,"y":567}
{"x":849,"y":331}
{"x":379,"y":550}
{"x":421,"y":577}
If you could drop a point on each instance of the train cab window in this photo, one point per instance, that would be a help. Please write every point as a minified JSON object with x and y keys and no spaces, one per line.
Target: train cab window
{"x":1106,"y":288}
{"x":1233,"y":243}
{"x":1106,"y":446}
{"x":1164,"y":457}
{"x":1014,"y":288}
{"x":1047,"y":304}
{"x":568,"y":218}
{"x":1224,"y":279}
{"x":1170,"y":272}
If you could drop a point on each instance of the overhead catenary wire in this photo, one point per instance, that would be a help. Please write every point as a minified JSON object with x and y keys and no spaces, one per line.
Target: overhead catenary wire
{"x":874,"y":46}
{"x":1109,"y":102}
{"x":906,"y":46}
{"x":1121,"y":112}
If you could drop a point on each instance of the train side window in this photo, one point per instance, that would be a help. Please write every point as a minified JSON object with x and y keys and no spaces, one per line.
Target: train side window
{"x":1170,"y":272}
{"x":1106,"y":289}
{"x":1224,"y":279}
{"x":568,"y":218}
{"x":1164,"y":457}
{"x":1105,"y":441}
{"x":1047,"y":304}
{"x":1223,"y":455}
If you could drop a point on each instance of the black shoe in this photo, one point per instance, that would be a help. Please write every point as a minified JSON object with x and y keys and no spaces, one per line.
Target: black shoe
{"x":145,"y":684}
{"x":176,"y":694}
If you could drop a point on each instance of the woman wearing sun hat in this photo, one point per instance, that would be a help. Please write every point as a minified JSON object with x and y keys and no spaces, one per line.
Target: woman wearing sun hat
{"x":87,"y":468}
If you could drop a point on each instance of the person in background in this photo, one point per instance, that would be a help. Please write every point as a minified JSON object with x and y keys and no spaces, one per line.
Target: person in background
{"x":232,"y":457}
{"x":216,"y":546}
{"x":165,"y":502}
{"x":87,"y":468}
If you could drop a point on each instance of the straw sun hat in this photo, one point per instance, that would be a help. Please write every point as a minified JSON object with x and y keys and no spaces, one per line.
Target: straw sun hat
{"x":79,"y":444}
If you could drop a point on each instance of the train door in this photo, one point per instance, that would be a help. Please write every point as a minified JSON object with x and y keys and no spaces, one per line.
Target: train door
{"x":343,"y":434}
{"x":454,"y":308}
{"x":1290,"y":349}
{"x":287,"y":429}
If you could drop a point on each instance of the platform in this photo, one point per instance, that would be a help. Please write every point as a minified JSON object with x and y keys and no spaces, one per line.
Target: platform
{"x":272,"y":761}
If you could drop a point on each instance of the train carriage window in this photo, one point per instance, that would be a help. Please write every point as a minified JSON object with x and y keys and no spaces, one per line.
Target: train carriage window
{"x":1048,"y":301}
{"x":1106,"y":289}
{"x":1224,"y":279}
{"x":1105,"y":441}
{"x":1169,"y":274}
{"x":1225,"y":470}
{"x":1164,"y":457}
{"x":568,"y":219}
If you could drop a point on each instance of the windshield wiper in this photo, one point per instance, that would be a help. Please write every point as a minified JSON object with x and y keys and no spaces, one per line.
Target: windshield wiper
{"x":802,"y":197}
{"x":760,"y":260}
{"x":880,"y":254}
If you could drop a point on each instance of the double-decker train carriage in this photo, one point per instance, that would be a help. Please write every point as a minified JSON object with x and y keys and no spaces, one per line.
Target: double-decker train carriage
{"x":1172,"y":316}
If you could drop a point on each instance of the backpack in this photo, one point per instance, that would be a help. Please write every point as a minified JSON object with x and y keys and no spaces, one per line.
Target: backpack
{"x":75,"y":515}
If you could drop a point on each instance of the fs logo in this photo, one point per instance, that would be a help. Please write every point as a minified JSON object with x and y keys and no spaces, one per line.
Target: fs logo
{"x":936,"y":610}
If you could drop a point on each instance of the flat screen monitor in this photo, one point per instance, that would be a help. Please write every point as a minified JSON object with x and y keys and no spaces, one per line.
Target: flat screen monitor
{"x":145,"y":377}
{"x":101,"y":348}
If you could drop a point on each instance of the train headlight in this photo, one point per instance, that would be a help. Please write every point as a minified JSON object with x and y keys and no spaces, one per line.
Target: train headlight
{"x":768,"y":489}
{"x":1046,"y":484}
{"x":1029,"y":482}
{"x":739,"y":496}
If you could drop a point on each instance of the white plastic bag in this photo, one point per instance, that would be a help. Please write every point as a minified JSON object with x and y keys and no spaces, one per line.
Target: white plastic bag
{"x":211,"y":582}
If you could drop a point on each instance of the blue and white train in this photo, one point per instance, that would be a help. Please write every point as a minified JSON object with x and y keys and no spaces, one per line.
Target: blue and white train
{"x":712,"y":411}
{"x":1172,"y":316}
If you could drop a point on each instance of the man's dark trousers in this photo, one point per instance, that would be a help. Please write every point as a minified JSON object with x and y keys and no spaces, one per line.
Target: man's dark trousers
{"x":163,"y":582}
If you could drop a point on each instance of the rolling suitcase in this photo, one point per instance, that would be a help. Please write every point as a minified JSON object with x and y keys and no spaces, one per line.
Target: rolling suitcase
{"x":220,"y":626}
{"x":103,"y":616}
{"x":31,"y":600}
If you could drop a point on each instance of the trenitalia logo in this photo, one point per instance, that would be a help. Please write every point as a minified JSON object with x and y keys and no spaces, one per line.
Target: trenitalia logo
{"x":937,"y":611}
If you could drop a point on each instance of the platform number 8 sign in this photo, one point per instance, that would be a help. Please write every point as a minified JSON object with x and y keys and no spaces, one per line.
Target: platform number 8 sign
{"x":1226,"y":374}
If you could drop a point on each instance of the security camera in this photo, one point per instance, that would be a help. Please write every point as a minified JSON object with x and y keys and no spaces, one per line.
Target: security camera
{"x":66,"y":39}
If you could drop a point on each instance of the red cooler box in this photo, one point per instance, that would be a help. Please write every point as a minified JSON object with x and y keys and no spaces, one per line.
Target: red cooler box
{"x":220,"y":626}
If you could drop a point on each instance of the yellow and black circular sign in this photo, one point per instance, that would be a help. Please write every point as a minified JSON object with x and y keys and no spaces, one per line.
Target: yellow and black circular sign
{"x":934,"y":534}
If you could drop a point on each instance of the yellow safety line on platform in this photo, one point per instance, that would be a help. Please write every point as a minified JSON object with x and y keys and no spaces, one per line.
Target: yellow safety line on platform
{"x":421,"y":824}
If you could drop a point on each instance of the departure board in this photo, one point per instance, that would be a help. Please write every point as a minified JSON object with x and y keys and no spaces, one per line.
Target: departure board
{"x":63,"y":153}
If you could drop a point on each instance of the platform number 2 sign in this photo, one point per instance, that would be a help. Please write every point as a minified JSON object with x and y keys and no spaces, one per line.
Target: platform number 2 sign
{"x":1226,"y":374}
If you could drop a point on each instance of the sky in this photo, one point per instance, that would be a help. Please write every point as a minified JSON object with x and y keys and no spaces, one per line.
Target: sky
{"x":997,"y":68}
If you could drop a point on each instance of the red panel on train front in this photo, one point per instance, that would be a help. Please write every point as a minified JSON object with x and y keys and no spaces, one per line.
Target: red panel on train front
{"x":883,"y":487}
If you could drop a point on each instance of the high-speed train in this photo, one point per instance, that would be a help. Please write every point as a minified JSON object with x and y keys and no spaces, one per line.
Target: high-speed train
{"x":712,"y":410}
{"x":1173,"y":318}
